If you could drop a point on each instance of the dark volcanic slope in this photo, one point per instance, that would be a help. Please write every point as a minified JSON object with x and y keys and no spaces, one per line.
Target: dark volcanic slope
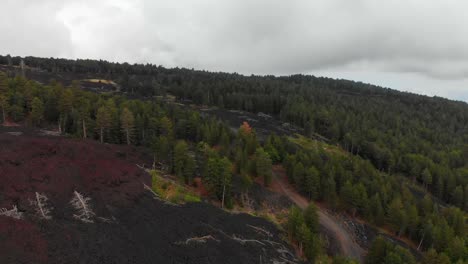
{"x":129,"y":225}
{"x":263,"y":124}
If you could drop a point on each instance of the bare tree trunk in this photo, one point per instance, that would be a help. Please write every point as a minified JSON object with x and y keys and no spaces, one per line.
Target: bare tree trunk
{"x":84,"y":129}
{"x":128,"y":136}
{"x":402,"y":229}
{"x":102,"y":135}
{"x":60,"y":125}
{"x":64,"y":124}
{"x":222,"y":201}
{"x":420,"y":242}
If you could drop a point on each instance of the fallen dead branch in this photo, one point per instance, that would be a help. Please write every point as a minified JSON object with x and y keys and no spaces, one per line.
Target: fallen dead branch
{"x":13,"y":213}
{"x":261,"y":230}
{"x":235,"y":238}
{"x":243,"y":241}
{"x":202,"y":239}
{"x":82,"y":205}
{"x":42,"y":206}
{"x":15,"y":133}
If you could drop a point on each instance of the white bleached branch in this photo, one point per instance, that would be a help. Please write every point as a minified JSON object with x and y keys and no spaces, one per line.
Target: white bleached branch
{"x":82,"y":205}
{"x":202,"y":239}
{"x":243,"y":241}
{"x":13,"y":213}
{"x":260,"y":230}
{"x":42,"y":206}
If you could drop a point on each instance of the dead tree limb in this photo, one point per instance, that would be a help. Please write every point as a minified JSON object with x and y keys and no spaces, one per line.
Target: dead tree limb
{"x":82,"y":205}
{"x":13,"y":213}
{"x":43,"y":209}
{"x":261,"y":230}
{"x":202,"y":239}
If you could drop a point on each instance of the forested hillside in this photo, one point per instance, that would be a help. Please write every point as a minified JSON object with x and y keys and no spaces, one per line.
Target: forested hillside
{"x":423,"y":138}
{"x":371,"y":138}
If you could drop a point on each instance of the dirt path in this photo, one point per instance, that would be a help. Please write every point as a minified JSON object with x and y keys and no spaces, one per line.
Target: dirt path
{"x":347,"y":246}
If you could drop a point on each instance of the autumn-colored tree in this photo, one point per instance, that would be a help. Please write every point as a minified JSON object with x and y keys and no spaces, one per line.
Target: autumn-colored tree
{"x":247,"y":138}
{"x":245,"y":129}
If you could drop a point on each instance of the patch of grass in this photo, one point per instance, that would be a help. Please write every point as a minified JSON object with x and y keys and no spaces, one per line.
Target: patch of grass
{"x":304,"y":142}
{"x":190,"y":198}
{"x":101,"y":81}
{"x":311,"y":144}
{"x":172,"y":191}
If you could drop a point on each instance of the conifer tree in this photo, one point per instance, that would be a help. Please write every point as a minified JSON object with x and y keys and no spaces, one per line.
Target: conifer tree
{"x":311,"y":217}
{"x":263,"y":166}
{"x":103,"y":121}
{"x":65,"y":105}
{"x":37,"y":112}
{"x":312,"y":183}
{"x":127,"y":121}
{"x":180,"y":157}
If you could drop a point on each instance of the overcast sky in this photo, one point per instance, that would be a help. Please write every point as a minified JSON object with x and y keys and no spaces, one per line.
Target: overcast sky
{"x":411,"y":45}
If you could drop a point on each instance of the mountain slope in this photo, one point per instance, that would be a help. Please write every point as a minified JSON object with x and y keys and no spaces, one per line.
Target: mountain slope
{"x":127,"y":225}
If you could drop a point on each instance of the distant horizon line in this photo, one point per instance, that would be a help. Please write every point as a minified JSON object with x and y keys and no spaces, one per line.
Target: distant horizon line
{"x":246,"y":75}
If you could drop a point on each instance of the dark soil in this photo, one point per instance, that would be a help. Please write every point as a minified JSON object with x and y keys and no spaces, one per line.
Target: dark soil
{"x":129,"y":226}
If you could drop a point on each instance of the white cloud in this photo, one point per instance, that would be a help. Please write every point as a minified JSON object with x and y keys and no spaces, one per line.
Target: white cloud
{"x":419,"y":38}
{"x":28,"y":27}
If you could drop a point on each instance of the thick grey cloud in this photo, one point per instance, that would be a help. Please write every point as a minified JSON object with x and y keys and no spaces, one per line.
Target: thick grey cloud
{"x":421,"y":41}
{"x":31,"y":28}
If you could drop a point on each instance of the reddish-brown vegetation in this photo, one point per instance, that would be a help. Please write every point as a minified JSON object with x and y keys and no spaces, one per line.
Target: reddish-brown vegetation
{"x":58,"y":166}
{"x":127,"y":223}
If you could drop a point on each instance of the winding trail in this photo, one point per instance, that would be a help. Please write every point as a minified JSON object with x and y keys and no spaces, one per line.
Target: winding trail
{"x":347,"y":245}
